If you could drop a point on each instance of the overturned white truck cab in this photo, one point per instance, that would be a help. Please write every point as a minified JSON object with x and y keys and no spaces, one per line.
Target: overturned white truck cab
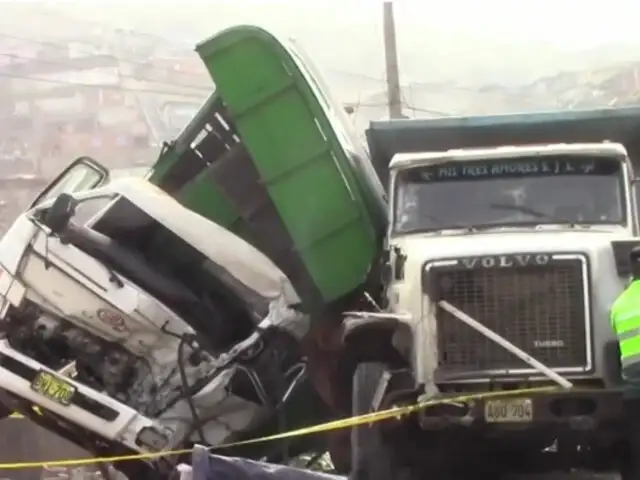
{"x":503,"y":262}
{"x":136,"y":325}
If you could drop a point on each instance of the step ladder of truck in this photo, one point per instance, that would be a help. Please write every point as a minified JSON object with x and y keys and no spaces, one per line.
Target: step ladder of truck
{"x":506,"y":344}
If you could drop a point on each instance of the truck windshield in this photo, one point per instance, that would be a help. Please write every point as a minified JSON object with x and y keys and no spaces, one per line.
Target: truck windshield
{"x":522,"y":191}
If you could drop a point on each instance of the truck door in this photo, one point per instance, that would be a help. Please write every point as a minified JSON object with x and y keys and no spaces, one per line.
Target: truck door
{"x":84,"y":173}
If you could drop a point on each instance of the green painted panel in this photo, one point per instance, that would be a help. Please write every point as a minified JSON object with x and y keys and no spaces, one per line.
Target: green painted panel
{"x":302,"y":156}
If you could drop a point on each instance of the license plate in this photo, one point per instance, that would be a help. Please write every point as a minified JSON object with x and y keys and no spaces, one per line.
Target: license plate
{"x":53,"y":387}
{"x":517,"y":410}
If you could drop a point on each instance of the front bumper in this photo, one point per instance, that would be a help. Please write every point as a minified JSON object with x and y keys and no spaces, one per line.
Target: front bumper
{"x":585,"y":410}
{"x":88,"y":408}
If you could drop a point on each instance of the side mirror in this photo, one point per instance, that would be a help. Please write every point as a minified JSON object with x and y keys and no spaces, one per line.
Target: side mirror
{"x":84,"y":173}
{"x":57,"y":217}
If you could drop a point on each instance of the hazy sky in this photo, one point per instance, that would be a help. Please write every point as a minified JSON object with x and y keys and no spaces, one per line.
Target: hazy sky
{"x":571,"y":23}
{"x":468,"y":41}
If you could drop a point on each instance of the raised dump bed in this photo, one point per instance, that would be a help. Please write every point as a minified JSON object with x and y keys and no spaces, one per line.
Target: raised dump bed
{"x":271,"y":157}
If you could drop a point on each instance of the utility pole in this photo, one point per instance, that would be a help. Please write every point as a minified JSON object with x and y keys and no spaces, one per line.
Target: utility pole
{"x":394,"y":96}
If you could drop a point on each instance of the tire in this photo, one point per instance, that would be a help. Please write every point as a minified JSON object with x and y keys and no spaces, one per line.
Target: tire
{"x":371,"y":459}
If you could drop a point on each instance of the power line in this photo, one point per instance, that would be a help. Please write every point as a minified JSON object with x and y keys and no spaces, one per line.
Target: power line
{"x":89,"y":53}
{"x":173,"y":42}
{"x":116,"y":29}
{"x":63,"y":46}
{"x":422,"y":110}
{"x":166,"y":40}
{"x":132,"y":61}
{"x":436,"y":113}
{"x":357,"y":105}
{"x":103,"y":87}
{"x":360,"y":76}
{"x":121,"y":75}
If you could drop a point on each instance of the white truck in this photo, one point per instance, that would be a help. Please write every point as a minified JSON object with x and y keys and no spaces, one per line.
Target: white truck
{"x":502,"y":264}
{"x":128,"y":350}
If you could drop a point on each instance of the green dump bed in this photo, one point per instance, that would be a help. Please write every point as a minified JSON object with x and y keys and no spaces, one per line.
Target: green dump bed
{"x":386,"y":138}
{"x":271,"y":157}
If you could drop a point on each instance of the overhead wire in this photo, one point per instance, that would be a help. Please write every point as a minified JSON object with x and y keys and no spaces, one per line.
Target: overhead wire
{"x":173,"y":42}
{"x":406,"y":105}
{"x":90,"y":51}
{"x":120,"y":75}
{"x":169,"y":41}
{"x":358,"y":103}
{"x":85,"y":21}
{"x":414,"y":109}
{"x":201,"y":96}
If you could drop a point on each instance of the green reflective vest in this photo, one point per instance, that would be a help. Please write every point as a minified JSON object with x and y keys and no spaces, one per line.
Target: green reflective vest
{"x":625,"y":321}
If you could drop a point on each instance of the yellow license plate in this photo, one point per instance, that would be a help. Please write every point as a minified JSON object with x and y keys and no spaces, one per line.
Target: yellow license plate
{"x":53,"y":387}
{"x":517,"y":410}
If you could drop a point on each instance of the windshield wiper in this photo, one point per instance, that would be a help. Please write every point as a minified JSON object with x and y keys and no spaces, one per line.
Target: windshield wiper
{"x":440,"y":225}
{"x":532,"y":212}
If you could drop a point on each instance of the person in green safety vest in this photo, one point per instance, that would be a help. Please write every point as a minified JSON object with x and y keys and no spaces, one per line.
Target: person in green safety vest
{"x":625,"y":321}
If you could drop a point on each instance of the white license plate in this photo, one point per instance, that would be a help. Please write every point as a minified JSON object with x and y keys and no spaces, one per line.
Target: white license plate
{"x":517,"y":410}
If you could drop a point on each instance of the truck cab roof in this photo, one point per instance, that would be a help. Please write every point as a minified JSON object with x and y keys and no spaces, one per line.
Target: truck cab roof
{"x":403,"y":160}
{"x":387,"y":138}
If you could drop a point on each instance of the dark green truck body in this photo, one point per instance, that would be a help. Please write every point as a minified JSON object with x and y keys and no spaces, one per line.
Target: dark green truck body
{"x":271,"y":157}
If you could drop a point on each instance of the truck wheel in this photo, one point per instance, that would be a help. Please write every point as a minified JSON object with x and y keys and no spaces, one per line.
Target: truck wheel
{"x":371,"y":459}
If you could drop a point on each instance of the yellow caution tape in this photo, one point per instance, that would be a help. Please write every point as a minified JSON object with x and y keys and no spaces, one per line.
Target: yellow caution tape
{"x":19,"y":415}
{"x":369,"y":418}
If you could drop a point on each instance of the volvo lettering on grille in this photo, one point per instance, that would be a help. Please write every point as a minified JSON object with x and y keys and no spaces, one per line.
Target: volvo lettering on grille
{"x":506,"y":261}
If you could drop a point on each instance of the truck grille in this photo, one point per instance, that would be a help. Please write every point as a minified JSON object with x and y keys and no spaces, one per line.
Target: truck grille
{"x":539,"y":308}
